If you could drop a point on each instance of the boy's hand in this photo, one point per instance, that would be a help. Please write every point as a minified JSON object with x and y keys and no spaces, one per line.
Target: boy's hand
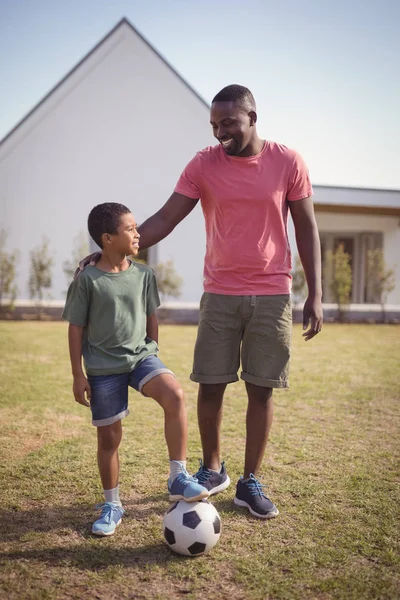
{"x":80,"y":386}
{"x":92,"y":259}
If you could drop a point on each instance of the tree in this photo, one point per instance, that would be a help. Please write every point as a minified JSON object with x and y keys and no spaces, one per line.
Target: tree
{"x":80,"y":250}
{"x":299,"y":283}
{"x":168,"y":281}
{"x":8,"y":288}
{"x":40,"y":273}
{"x":381,"y":280}
{"x":339,"y":267}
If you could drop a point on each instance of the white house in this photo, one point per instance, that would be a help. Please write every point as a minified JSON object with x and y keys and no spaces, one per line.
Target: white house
{"x":120,"y":127}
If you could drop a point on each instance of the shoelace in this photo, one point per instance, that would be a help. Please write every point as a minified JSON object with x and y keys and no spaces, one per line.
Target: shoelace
{"x":255,"y":487}
{"x":203,"y":473}
{"x":184,"y":476}
{"x":107,"y":510}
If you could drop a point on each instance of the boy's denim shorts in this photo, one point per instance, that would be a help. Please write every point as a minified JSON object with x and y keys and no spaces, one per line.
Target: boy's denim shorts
{"x":109,"y":400}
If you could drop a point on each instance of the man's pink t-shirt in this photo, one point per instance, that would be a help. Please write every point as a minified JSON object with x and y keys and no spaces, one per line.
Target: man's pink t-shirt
{"x":244,"y":201}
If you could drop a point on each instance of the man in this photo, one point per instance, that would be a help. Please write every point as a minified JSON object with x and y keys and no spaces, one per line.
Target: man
{"x":246,"y":186}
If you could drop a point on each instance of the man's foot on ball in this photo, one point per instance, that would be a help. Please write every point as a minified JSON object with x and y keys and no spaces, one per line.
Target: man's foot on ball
{"x":249,"y":493}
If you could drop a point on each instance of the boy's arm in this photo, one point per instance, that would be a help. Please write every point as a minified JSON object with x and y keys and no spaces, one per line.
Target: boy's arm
{"x":81,"y":384}
{"x":152,"y":327}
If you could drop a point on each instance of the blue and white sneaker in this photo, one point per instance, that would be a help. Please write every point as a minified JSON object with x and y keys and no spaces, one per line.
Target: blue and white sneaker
{"x":249,"y":493}
{"x":110,"y":518}
{"x":214,"y":482}
{"x":185,"y":487}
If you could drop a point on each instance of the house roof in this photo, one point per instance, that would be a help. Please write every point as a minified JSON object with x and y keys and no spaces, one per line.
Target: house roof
{"x":121,"y":23}
{"x":357,"y":200}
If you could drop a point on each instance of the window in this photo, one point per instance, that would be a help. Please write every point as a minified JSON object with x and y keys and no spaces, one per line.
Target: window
{"x":357,"y":246}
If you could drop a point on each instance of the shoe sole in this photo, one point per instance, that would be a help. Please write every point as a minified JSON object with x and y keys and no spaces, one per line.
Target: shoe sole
{"x":100,"y":533}
{"x":221,"y":487}
{"x":176,"y":497}
{"x":269,"y":515}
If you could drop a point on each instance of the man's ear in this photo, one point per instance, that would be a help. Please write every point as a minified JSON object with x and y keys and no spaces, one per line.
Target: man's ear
{"x":253,"y":117}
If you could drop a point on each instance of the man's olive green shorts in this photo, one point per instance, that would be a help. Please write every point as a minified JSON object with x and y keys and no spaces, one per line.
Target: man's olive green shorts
{"x":255,"y":330}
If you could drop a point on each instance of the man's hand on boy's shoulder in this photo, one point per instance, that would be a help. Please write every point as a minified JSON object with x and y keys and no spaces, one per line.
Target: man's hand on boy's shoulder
{"x":89,"y":260}
{"x":79,"y":388}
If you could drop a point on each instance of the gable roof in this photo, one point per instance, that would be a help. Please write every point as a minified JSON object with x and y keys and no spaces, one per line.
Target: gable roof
{"x":122,"y":22}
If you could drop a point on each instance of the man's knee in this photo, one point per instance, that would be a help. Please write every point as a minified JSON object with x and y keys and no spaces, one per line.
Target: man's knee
{"x":211,"y":392}
{"x":258,"y":393}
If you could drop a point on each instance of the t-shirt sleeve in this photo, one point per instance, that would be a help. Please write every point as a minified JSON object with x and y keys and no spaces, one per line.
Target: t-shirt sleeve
{"x":299,"y":180}
{"x":189,"y":181}
{"x":152,"y":297}
{"x":76,"y":309}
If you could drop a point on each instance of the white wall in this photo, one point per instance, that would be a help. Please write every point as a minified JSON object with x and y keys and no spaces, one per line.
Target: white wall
{"x":121,"y":128}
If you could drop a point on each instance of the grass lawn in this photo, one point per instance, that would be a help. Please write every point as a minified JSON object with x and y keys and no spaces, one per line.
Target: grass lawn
{"x":332,"y":468}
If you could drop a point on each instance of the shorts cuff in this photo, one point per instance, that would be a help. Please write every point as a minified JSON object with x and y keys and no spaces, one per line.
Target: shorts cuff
{"x":151,"y":376}
{"x":214,"y":378}
{"x":110,"y":420}
{"x":260,"y":381}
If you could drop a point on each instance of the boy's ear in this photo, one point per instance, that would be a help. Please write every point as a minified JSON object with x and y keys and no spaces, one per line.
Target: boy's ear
{"x":106,"y":238}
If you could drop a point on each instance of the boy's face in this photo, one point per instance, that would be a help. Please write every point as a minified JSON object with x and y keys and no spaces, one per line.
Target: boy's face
{"x":126,"y":240}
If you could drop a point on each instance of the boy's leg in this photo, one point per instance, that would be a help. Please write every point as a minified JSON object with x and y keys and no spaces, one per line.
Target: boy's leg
{"x":108,"y":441}
{"x":165,"y":389}
{"x":109,"y":404}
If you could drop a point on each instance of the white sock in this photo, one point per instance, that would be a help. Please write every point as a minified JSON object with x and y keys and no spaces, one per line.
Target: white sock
{"x":216,"y":470}
{"x":175,"y":468}
{"x":112,"y":496}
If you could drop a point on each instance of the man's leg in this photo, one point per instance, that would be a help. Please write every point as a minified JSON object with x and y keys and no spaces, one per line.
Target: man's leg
{"x":209,"y":413}
{"x":259,"y":416}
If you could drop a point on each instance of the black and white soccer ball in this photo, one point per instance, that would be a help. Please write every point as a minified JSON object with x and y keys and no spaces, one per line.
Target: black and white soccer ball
{"x":192,"y":528}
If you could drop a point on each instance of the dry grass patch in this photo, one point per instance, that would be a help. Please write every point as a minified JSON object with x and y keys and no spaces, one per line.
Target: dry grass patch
{"x":332,"y":468}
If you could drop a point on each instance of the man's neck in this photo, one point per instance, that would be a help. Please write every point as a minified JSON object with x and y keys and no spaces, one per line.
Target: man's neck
{"x":254,"y":148}
{"x":112,"y":263}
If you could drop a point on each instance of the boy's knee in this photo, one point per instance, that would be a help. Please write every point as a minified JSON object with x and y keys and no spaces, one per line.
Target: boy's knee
{"x":109,"y":438}
{"x":174,"y":399}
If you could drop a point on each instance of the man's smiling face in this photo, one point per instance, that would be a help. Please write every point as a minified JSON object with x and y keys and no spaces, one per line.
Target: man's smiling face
{"x":232,"y":126}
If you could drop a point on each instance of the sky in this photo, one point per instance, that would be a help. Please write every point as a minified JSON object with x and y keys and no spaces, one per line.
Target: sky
{"x":325,"y":74}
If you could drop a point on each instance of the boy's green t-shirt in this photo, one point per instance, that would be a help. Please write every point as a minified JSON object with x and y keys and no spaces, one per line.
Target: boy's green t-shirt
{"x":113,"y":308}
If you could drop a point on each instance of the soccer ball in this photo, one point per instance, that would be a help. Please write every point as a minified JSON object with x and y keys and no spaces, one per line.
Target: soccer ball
{"x":192,"y":528}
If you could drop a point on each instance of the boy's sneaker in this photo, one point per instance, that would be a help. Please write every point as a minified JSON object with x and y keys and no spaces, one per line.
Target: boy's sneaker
{"x":110,"y":518}
{"x":214,"y":482}
{"x":185,"y":487}
{"x":249,"y":493}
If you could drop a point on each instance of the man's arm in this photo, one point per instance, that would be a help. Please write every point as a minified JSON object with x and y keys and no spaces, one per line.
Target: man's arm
{"x":81,"y":384}
{"x":159,"y":225}
{"x":152,"y":327}
{"x":308,"y":245}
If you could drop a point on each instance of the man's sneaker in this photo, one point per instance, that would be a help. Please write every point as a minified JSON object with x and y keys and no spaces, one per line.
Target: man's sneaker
{"x":249,"y":493}
{"x":187,"y":488}
{"x":213,"y":481}
{"x":110,"y":518}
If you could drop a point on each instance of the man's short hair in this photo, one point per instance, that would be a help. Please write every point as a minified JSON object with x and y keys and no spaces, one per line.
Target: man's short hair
{"x":105,"y":218}
{"x":236,"y":93}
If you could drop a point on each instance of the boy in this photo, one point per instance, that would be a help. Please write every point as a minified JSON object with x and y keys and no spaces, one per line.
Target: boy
{"x":111,"y":311}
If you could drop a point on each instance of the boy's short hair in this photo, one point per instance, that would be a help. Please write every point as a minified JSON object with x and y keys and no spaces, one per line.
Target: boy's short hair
{"x":105,"y":218}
